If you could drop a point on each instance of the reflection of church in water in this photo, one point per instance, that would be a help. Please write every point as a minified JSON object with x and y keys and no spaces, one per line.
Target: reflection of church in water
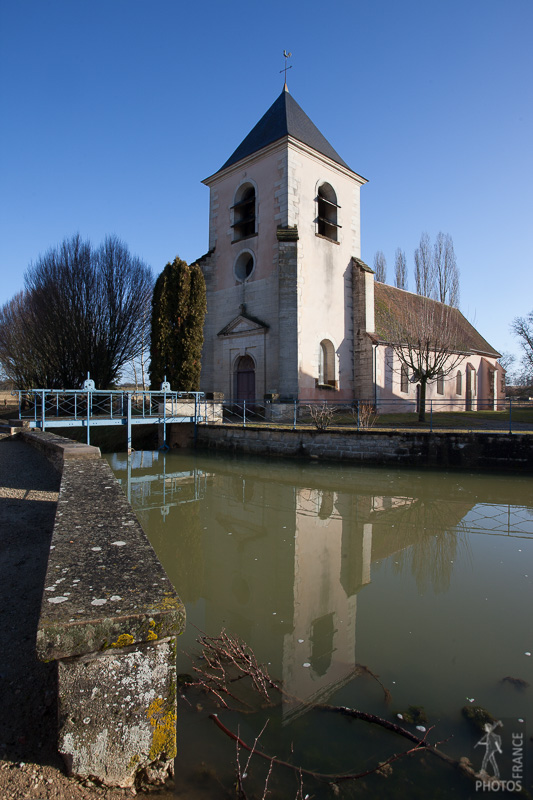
{"x":282,"y":564}
{"x":319,"y":545}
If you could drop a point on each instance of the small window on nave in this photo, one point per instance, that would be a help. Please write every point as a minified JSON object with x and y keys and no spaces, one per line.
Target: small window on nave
{"x":244,"y":213}
{"x":327,"y":224}
{"x":326,"y":364}
{"x":404,"y":378}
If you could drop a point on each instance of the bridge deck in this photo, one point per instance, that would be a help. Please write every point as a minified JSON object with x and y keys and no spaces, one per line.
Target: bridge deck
{"x":83,"y":422}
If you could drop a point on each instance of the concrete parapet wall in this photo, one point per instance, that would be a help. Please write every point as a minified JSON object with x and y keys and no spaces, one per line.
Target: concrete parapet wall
{"x":498,"y":451}
{"x":57,"y":449}
{"x":110,"y":618}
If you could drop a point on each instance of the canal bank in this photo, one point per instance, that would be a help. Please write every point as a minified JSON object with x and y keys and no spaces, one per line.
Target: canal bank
{"x":489,"y":451}
{"x":30,"y":766}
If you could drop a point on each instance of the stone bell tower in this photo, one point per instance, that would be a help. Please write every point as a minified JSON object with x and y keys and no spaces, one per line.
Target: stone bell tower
{"x":284,"y":225}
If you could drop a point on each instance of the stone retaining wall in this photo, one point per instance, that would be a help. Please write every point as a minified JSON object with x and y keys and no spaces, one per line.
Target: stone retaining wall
{"x":110,"y":618}
{"x":493,"y":451}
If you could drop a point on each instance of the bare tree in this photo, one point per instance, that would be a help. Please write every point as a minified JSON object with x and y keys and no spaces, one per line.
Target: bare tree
{"x":427,"y":338}
{"x":18,"y":359}
{"x":400,"y":269}
{"x":508,"y":361}
{"x":380,"y":267}
{"x":522,"y":327}
{"x":446,"y":272}
{"x":138,"y":363}
{"x":424,"y":268}
{"x":83,"y":310}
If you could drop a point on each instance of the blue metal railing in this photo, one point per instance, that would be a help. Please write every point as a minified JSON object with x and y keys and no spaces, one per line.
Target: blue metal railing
{"x":474,"y":414}
{"x":60,"y":408}
{"x":49,"y":408}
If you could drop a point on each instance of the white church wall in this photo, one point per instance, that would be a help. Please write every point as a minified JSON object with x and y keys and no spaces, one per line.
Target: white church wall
{"x":324,"y":269}
{"x":258,"y":294}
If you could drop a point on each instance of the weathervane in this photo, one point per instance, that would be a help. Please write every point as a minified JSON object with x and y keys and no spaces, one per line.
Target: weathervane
{"x":286,"y":56}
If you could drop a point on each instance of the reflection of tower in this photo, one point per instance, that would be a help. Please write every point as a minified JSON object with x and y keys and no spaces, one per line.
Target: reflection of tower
{"x":331,"y":564}
{"x":281,"y":568}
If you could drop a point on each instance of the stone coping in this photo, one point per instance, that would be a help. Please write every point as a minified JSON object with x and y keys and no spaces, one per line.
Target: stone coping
{"x":105,"y":588}
{"x":57,"y":448}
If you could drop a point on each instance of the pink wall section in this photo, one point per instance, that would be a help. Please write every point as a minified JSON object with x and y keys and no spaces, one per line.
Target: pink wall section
{"x":486,"y":385}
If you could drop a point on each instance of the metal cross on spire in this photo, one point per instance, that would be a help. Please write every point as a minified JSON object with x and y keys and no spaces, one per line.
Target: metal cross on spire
{"x":285,"y":68}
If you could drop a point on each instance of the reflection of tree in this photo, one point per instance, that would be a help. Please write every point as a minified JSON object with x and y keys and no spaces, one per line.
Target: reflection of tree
{"x":431,"y":560}
{"x":316,"y":503}
{"x":434,"y":542}
{"x":326,"y":505}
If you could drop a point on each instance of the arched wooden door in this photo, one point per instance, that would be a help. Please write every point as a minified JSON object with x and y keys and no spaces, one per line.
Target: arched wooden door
{"x":245,"y":378}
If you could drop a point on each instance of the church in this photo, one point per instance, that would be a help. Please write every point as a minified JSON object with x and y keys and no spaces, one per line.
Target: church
{"x":292,"y":310}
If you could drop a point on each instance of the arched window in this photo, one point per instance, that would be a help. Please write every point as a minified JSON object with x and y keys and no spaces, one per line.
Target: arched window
{"x":244,"y":212}
{"x":459,"y":382}
{"x":389,"y":367}
{"x":440,"y":383}
{"x":404,"y":378}
{"x":322,"y":635}
{"x":326,"y":363}
{"x":244,"y":265}
{"x":470,"y":387}
{"x":327,"y":224}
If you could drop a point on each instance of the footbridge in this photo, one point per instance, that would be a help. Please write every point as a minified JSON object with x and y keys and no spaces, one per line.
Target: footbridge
{"x":47,"y":409}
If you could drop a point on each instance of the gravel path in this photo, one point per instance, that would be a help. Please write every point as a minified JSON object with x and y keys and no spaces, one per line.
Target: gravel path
{"x":30,"y":767}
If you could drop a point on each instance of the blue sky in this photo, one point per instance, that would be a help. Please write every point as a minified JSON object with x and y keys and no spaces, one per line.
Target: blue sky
{"x":113,"y":111}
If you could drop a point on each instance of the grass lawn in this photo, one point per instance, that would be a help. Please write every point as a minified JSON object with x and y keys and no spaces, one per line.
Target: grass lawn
{"x":441,"y":420}
{"x":461,"y":420}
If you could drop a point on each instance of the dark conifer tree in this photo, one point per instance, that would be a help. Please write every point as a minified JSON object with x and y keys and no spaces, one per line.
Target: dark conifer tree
{"x":178,"y":312}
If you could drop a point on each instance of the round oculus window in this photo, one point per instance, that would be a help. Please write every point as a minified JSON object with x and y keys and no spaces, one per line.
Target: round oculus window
{"x":244,"y":266}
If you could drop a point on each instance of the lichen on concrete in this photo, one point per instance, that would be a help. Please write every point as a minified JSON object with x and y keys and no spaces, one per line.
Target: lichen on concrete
{"x":117,"y":713}
{"x":110,"y":617}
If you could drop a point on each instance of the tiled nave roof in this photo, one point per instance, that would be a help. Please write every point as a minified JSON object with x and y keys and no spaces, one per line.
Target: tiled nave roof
{"x":397,"y":304}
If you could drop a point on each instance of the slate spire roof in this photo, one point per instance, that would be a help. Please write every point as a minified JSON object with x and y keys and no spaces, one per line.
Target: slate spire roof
{"x":284,"y":118}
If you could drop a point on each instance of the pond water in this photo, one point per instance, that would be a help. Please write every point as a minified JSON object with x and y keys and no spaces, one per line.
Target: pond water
{"x":357,"y":587}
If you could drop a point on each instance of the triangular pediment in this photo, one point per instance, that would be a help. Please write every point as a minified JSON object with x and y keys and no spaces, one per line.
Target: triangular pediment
{"x":243,"y":324}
